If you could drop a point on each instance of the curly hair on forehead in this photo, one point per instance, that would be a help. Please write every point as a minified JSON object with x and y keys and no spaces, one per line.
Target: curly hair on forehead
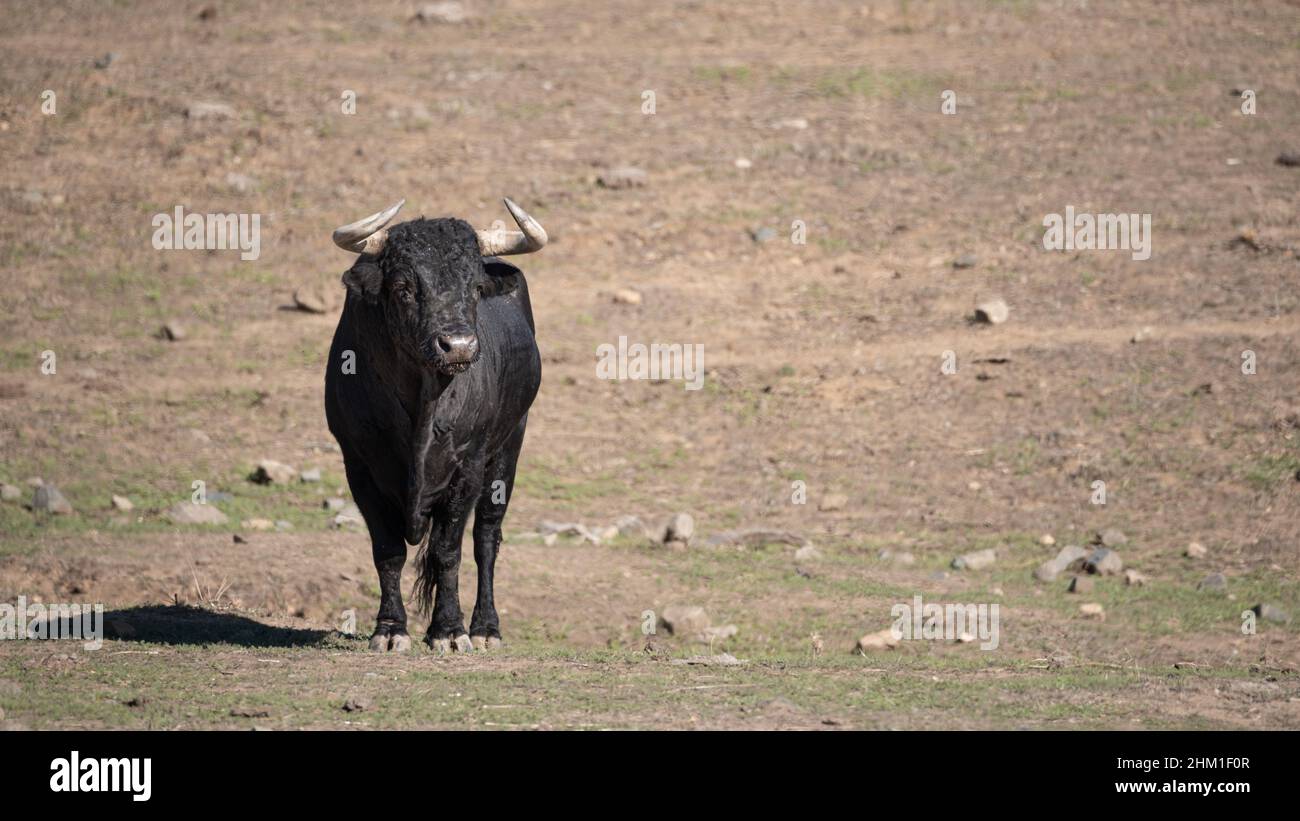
{"x":445,"y":238}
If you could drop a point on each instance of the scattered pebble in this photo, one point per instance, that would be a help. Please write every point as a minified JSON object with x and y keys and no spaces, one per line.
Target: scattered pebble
{"x":122,"y":503}
{"x":209,"y":111}
{"x":762,"y":234}
{"x":992,"y":312}
{"x":901,"y":557}
{"x":1067,"y":556}
{"x":49,"y":499}
{"x":334,"y":503}
{"x":627,"y":296}
{"x":1047,"y":540}
{"x":1103,"y":562}
{"x":10,"y":493}
{"x":446,"y":12}
{"x":349,"y":516}
{"x":680,"y":528}
{"x":1134,"y":579}
{"x":312,"y":475}
{"x":1111,"y":537}
{"x":978,"y":560}
{"x":626,"y":176}
{"x":832,"y":502}
{"x":315,"y":299}
{"x":1093,"y":610}
{"x":684,"y":620}
{"x":1291,"y":159}
{"x":189,"y":513}
{"x":1214,"y":583}
{"x":356,"y":705}
{"x":172,"y":331}
{"x":1195,"y":550}
{"x":880,"y":640}
{"x":271,"y":472}
{"x":720,"y":660}
{"x":1271,"y":612}
{"x":807,"y":553}
{"x":965,"y":261}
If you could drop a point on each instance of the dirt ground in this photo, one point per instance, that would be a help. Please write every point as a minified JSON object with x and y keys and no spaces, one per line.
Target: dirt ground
{"x":824,"y":360}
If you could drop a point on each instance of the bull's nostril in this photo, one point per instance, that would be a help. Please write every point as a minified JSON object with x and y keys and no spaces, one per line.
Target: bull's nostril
{"x":457,"y":348}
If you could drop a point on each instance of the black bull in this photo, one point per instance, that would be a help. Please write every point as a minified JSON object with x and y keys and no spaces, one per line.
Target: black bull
{"x":431,"y":417}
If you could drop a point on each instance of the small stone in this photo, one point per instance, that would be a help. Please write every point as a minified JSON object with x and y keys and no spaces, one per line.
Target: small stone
{"x":992,"y":312}
{"x":1195,"y":550}
{"x":631,"y":526}
{"x":1093,"y":610}
{"x":712,"y":634}
{"x":1067,"y":557}
{"x":312,"y":475}
{"x":978,"y":560}
{"x":1104,"y":562}
{"x":51,"y":500}
{"x":807,"y":553}
{"x":1132,"y":578}
{"x":1143,"y":334}
{"x":1271,"y":612}
{"x":832,"y":502}
{"x":334,"y":503}
{"x":173,"y":331}
{"x":238,"y":539}
{"x":1081,"y":584}
{"x":315,"y":299}
{"x":743,"y":163}
{"x":684,"y":620}
{"x":241,"y":183}
{"x":209,"y":111}
{"x":965,"y":261}
{"x":106,"y":61}
{"x":34,"y":481}
{"x":1291,"y":159}
{"x":1214,"y":583}
{"x":10,"y":493}
{"x":762,"y":234}
{"x":355,"y":705}
{"x":880,"y":640}
{"x":627,"y":296}
{"x":796,"y":123}
{"x":676,"y":545}
{"x":1047,"y":540}
{"x":626,"y":176}
{"x":446,"y":12}
{"x":283,"y":524}
{"x":257,"y":524}
{"x":349,"y":516}
{"x":680,"y":528}
{"x":271,"y":472}
{"x":189,"y":513}
{"x":1111,"y":537}
{"x":900,"y":557}
{"x":122,"y":503}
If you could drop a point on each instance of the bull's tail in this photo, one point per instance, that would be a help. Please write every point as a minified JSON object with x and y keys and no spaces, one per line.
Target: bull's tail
{"x":426,"y":575}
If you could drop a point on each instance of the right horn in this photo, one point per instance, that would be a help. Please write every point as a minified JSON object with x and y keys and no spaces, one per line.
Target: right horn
{"x":530,"y":237}
{"x":367,"y":236}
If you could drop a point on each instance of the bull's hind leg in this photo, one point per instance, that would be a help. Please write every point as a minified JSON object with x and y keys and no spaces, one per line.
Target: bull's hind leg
{"x":498,"y":483}
{"x":389,"y":551}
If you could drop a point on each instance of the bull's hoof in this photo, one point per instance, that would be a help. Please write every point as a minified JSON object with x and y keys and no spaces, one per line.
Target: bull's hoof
{"x":486,"y":642}
{"x":460,"y":644}
{"x":390,"y":643}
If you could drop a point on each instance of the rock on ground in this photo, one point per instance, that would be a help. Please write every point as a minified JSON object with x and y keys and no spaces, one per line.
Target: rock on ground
{"x":626,"y":176}
{"x":189,"y":513}
{"x":1103,"y":562}
{"x":122,"y":503}
{"x":271,"y":472}
{"x":992,"y":312}
{"x":49,"y":499}
{"x":684,"y":620}
{"x":680,"y":528}
{"x":1065,"y":559}
{"x":880,"y":640}
{"x":978,"y":560}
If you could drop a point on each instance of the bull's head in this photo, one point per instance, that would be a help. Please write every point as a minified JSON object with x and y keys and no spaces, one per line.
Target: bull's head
{"x":427,"y":276}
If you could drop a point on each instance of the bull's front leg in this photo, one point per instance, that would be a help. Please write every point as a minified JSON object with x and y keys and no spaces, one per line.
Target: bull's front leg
{"x":441,"y":568}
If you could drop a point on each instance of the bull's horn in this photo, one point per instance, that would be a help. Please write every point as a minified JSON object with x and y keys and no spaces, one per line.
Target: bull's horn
{"x":366,"y":236}
{"x":499,"y":242}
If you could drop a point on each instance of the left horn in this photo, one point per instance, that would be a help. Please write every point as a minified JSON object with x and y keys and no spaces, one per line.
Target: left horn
{"x":530,"y":237}
{"x":367,"y":236}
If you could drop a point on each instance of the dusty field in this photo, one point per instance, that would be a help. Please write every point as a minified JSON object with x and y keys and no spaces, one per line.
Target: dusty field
{"x":823,"y":359}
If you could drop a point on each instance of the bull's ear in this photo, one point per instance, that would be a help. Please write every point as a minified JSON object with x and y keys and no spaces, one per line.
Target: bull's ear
{"x":364,"y":279}
{"x":502,"y":277}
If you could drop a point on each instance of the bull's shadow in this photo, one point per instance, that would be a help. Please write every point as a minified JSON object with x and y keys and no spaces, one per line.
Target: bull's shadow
{"x":183,"y":624}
